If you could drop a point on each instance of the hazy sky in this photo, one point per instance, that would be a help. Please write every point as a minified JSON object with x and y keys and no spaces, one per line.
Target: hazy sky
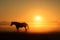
{"x":27,"y":10}
{"x":16,"y":10}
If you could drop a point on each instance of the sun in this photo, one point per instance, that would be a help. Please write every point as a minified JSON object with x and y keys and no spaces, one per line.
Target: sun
{"x":37,"y":18}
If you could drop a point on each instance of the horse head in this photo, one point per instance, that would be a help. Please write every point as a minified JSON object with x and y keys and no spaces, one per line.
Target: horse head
{"x":11,"y":23}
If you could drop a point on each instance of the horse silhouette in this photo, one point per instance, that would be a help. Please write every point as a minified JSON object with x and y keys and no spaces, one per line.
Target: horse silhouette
{"x":20,"y":25}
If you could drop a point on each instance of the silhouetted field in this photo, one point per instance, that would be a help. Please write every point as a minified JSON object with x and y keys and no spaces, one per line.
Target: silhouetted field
{"x":29,"y":36}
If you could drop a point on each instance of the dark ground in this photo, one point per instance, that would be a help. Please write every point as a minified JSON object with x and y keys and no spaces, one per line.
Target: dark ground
{"x":27,"y":36}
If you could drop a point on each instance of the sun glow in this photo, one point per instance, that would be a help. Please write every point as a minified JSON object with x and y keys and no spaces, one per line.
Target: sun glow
{"x":37,"y":18}
{"x":36,"y":21}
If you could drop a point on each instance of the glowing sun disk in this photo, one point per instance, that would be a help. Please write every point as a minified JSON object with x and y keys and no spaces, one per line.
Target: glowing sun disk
{"x":37,"y":18}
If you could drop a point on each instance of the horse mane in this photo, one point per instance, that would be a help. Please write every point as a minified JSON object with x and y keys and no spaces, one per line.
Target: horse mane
{"x":17,"y":22}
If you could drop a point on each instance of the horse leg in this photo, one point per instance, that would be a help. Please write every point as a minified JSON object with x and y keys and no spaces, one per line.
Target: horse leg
{"x":25,"y":29}
{"x":27,"y":26}
{"x":17,"y":29}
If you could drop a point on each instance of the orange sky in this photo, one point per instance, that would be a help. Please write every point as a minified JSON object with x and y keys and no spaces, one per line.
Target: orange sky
{"x":26,"y":11}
